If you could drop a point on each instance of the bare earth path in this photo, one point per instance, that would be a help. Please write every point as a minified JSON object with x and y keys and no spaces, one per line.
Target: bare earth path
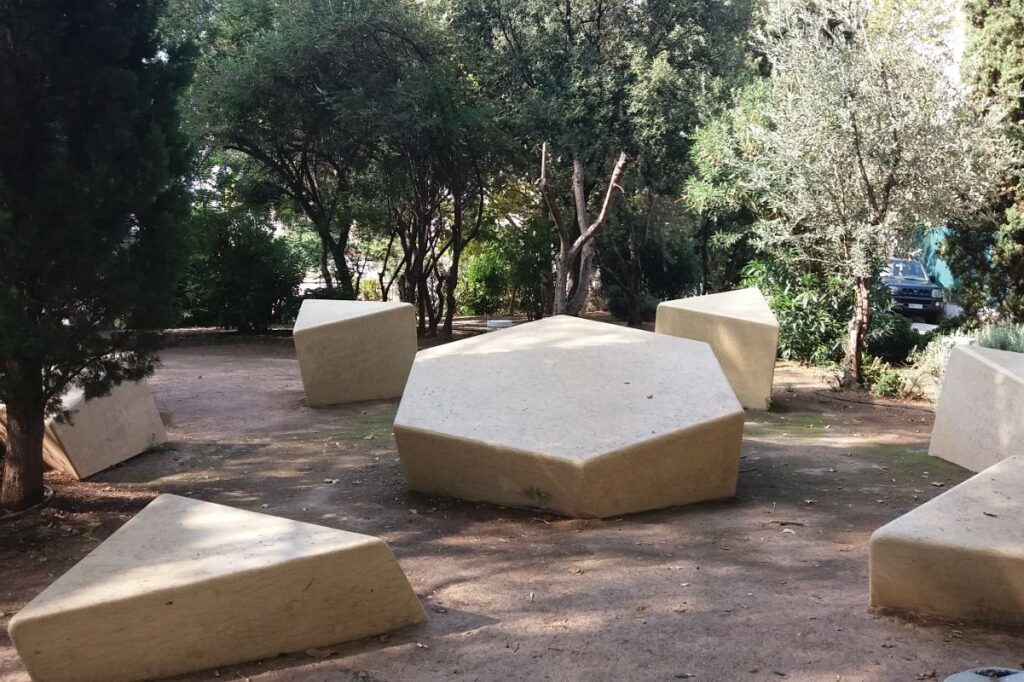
{"x":769,"y":586}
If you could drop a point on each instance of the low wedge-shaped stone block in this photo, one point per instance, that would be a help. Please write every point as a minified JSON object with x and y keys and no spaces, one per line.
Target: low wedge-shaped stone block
{"x":351,"y":351}
{"x":742,"y":330}
{"x":960,"y":555}
{"x":189,"y":585}
{"x":101,"y":432}
{"x":577,"y":417}
{"x":980,"y":417}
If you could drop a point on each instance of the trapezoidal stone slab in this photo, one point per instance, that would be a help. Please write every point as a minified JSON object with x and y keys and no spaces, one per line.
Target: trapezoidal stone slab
{"x":189,"y":585}
{"x":980,"y":417}
{"x":577,"y":417}
{"x":741,"y":329}
{"x":351,"y":351}
{"x":960,"y":555}
{"x":101,"y":432}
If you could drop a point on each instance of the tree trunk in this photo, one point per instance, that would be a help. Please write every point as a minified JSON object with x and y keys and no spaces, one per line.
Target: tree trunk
{"x":561,"y":298}
{"x":577,"y":303}
{"x":859,"y":324}
{"x":325,"y":270}
{"x":26,"y":412}
{"x":635,"y":285}
{"x":453,"y":270}
{"x":343,"y":278}
{"x":705,"y":256}
{"x":574,"y":263}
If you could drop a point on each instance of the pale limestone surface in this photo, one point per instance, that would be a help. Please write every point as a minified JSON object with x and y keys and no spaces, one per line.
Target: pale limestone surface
{"x":101,"y":432}
{"x":960,"y":555}
{"x":189,"y":585}
{"x":351,"y":351}
{"x":741,"y":329}
{"x":980,"y":416}
{"x":578,"y":417}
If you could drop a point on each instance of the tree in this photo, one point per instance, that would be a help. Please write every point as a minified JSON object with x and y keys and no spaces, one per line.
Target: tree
{"x":600,"y":88}
{"x":865,"y":140}
{"x":304,"y":89}
{"x":717,"y":192}
{"x":986,"y":250}
{"x":91,"y":198}
{"x":240,"y":273}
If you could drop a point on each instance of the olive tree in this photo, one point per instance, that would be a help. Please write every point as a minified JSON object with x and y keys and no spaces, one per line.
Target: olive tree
{"x":864,"y":139}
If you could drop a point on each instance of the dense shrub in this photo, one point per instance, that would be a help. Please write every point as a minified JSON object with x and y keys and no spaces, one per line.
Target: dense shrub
{"x":617,"y":303}
{"x":1002,"y":337}
{"x":509,"y":272}
{"x":814,"y":313}
{"x":891,"y":337}
{"x":812,"y":310}
{"x":666,"y":268}
{"x":240,"y":274}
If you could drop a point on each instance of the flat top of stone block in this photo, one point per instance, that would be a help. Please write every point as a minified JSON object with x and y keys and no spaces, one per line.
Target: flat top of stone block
{"x":175,"y":541}
{"x":744,"y":304}
{"x":566,"y":388}
{"x":1004,"y":361}
{"x":984,"y":513}
{"x":318,"y":313}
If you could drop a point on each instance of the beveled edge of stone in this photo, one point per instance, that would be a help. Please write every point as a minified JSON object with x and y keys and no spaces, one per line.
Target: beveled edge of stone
{"x":906,"y":528}
{"x":1005,"y":362}
{"x":54,"y":598}
{"x":762,"y":312}
{"x":345,"y":312}
{"x":580,"y":462}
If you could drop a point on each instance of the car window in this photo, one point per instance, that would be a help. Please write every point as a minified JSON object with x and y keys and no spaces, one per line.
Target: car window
{"x":907,"y":269}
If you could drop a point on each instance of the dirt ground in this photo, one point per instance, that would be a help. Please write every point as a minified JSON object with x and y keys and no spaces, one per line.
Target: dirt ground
{"x":770,"y":585}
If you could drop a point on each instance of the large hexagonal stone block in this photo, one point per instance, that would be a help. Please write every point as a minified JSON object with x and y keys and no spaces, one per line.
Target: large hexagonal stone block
{"x":351,"y":351}
{"x":741,"y":329}
{"x":980,"y":417}
{"x":100,"y":432}
{"x":189,"y":585}
{"x":577,"y":417}
{"x":960,"y":555}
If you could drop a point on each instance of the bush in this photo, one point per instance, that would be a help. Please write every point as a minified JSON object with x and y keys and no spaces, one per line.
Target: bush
{"x":1002,"y":337}
{"x":508,"y":273}
{"x":891,"y":337}
{"x":881,"y":379}
{"x":240,"y":274}
{"x":813,"y":311}
{"x":618,"y":303}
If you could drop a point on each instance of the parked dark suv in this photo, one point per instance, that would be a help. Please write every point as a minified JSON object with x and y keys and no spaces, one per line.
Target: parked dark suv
{"x":913,"y":290}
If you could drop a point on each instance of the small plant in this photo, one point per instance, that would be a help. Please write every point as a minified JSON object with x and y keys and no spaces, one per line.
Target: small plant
{"x":1005,"y":336}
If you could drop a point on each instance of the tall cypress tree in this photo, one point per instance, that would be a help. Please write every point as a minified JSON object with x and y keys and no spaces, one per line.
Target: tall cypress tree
{"x":92,"y":191}
{"x":986,"y":251}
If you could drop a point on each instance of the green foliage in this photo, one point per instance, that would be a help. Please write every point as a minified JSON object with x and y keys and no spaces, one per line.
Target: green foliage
{"x":510,"y":273}
{"x":881,"y":379}
{"x":812,"y":310}
{"x":665,"y":266}
{"x":891,"y":337}
{"x":310,"y":89}
{"x":985,"y":251}
{"x":92,"y":191}
{"x":1002,"y":337}
{"x":241,"y":276}
{"x":92,"y":194}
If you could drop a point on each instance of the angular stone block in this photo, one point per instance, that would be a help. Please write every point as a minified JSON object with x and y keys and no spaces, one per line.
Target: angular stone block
{"x":573,"y":416}
{"x":101,"y":432}
{"x":960,"y":555}
{"x":741,"y":329}
{"x":980,"y":417}
{"x":189,"y":585}
{"x":351,"y":351}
